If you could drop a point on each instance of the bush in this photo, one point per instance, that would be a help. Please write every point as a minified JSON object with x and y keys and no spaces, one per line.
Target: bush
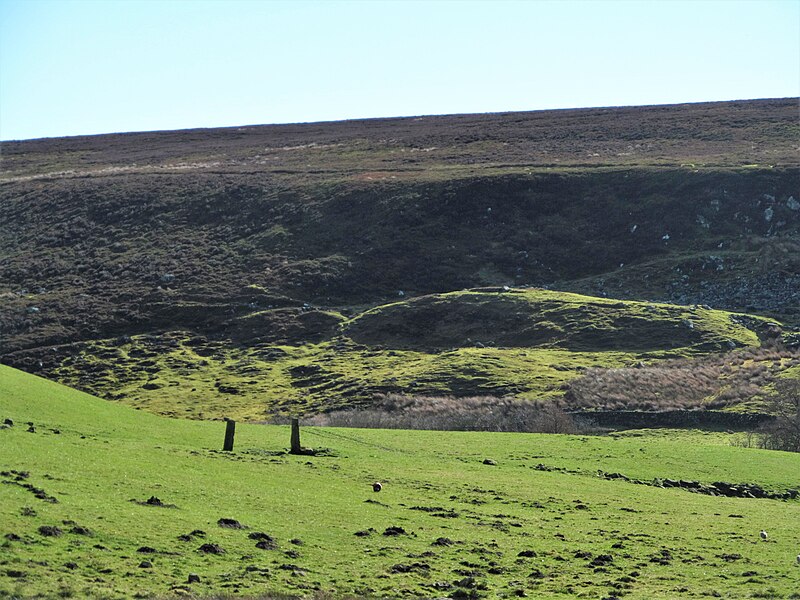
{"x":711,"y":382}
{"x":784,"y":432}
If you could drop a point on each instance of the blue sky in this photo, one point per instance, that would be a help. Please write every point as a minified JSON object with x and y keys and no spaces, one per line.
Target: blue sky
{"x":82,"y":67}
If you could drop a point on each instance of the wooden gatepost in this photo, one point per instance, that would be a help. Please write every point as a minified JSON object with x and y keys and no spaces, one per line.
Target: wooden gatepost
{"x":295,"y":441}
{"x":230,"y":432}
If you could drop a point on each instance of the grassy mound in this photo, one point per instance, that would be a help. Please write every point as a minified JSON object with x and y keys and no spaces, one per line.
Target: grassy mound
{"x":541,"y":318}
{"x":258,"y":521}
{"x":526,"y":343}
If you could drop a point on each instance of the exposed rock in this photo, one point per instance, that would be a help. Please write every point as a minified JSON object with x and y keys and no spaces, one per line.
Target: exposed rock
{"x":50,"y":531}
{"x":442,"y":541}
{"x":412,"y":568}
{"x":264,"y":540}
{"x":230,"y":524}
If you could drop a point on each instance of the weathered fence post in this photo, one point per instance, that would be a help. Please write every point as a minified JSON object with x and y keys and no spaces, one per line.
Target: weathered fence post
{"x":296,"y":448}
{"x":230,"y":431}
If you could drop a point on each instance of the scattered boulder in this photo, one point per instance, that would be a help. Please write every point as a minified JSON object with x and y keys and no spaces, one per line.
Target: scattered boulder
{"x":228,"y":389}
{"x":296,"y":571}
{"x":662,"y":557}
{"x":153,"y":501}
{"x":536,"y":574}
{"x":230,"y":524}
{"x":364,"y":532}
{"x":490,"y":462}
{"x":50,"y":531}
{"x":390,"y":531}
{"x":417,"y":567}
{"x":193,"y":578}
{"x":211,"y":549}
{"x":187,"y":537}
{"x":264,"y":541}
{"x":442,"y":541}
{"x":16,"y":574}
{"x":730,"y":557}
{"x":145,"y":564}
{"x":601,"y":560}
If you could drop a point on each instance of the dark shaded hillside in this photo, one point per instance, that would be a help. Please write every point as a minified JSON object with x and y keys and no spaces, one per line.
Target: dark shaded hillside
{"x":129,"y":254}
{"x":247,"y":236}
{"x":542,"y":319}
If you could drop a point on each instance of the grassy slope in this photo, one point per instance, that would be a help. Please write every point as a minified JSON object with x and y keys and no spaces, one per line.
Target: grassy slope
{"x":107,"y":455}
{"x":543,"y":318}
{"x":528,"y":343}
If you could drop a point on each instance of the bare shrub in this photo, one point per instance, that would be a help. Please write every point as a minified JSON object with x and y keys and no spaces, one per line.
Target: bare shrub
{"x":716,"y":381}
{"x":784,"y":432}
{"x":446,"y":413}
{"x":746,"y":439}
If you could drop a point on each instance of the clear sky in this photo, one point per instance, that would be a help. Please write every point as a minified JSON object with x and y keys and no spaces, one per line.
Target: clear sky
{"x":70,"y":67}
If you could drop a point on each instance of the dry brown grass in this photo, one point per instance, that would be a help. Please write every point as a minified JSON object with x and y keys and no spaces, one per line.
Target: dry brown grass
{"x":714,"y":382}
{"x":445,"y":413}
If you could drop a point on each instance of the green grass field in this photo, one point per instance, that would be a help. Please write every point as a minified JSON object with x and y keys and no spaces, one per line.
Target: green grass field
{"x":504,"y":530}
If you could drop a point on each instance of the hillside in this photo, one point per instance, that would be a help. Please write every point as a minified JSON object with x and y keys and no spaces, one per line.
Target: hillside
{"x":529,"y":344}
{"x":464,"y":515}
{"x":279,"y":234}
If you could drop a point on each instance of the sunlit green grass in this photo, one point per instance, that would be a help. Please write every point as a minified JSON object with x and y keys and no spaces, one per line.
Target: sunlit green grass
{"x":106,"y":455}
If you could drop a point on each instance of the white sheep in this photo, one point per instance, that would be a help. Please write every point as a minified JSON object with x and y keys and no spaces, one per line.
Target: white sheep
{"x":764,"y":535}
